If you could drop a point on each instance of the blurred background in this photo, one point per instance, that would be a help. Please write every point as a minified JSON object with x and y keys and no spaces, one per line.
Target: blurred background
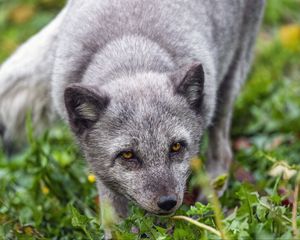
{"x":38,"y":185}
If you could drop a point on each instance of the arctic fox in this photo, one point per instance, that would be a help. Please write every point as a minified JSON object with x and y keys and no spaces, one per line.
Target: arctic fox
{"x":138,"y":82}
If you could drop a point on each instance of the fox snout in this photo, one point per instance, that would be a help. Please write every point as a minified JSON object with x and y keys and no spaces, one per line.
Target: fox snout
{"x":167,"y":202}
{"x":165,"y":199}
{"x":163,"y":205}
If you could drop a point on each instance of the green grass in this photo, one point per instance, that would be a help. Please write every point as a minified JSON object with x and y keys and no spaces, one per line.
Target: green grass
{"x":45,"y":192}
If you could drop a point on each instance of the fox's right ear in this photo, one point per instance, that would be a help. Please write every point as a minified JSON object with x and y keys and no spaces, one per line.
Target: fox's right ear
{"x":189,"y":82}
{"x":84,"y":106}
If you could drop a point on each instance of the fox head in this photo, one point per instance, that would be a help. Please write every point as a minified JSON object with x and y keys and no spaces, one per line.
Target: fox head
{"x":139,"y":132}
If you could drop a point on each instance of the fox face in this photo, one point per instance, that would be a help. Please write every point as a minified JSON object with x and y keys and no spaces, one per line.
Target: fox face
{"x":139,"y":132}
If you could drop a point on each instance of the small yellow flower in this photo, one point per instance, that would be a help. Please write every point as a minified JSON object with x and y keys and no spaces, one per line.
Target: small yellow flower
{"x":45,"y":190}
{"x":196,"y":164}
{"x":290,"y":36}
{"x":91,"y":178}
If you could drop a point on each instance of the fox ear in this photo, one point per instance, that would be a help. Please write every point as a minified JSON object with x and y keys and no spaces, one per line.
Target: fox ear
{"x":84,"y":106}
{"x":189,"y":82}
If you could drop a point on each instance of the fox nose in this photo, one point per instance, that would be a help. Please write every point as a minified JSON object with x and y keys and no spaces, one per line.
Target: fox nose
{"x":166,"y":203}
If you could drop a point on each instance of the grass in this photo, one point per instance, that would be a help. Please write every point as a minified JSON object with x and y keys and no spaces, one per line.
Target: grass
{"x":47,"y":192}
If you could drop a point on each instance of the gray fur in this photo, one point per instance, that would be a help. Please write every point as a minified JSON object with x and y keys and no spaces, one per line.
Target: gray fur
{"x":148,"y":73}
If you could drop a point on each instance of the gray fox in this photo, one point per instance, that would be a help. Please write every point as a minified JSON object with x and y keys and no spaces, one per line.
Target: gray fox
{"x":138,"y":82}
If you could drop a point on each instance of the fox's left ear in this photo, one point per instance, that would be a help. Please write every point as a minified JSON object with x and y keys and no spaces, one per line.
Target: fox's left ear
{"x":189,"y":82}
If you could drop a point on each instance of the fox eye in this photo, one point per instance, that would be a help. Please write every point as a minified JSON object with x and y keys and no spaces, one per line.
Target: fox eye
{"x":176,"y":147}
{"x":129,"y":160}
{"x":127,"y":155}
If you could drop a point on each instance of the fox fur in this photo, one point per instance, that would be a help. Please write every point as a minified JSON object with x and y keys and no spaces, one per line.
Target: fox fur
{"x":138,"y":76}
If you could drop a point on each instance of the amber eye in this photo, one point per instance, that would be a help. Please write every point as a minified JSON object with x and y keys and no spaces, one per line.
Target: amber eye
{"x":176,"y":147}
{"x":127,"y":155}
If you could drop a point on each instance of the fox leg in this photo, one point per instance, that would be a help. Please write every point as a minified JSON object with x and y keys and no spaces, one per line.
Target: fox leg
{"x":219,"y":154}
{"x":113,"y":208}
